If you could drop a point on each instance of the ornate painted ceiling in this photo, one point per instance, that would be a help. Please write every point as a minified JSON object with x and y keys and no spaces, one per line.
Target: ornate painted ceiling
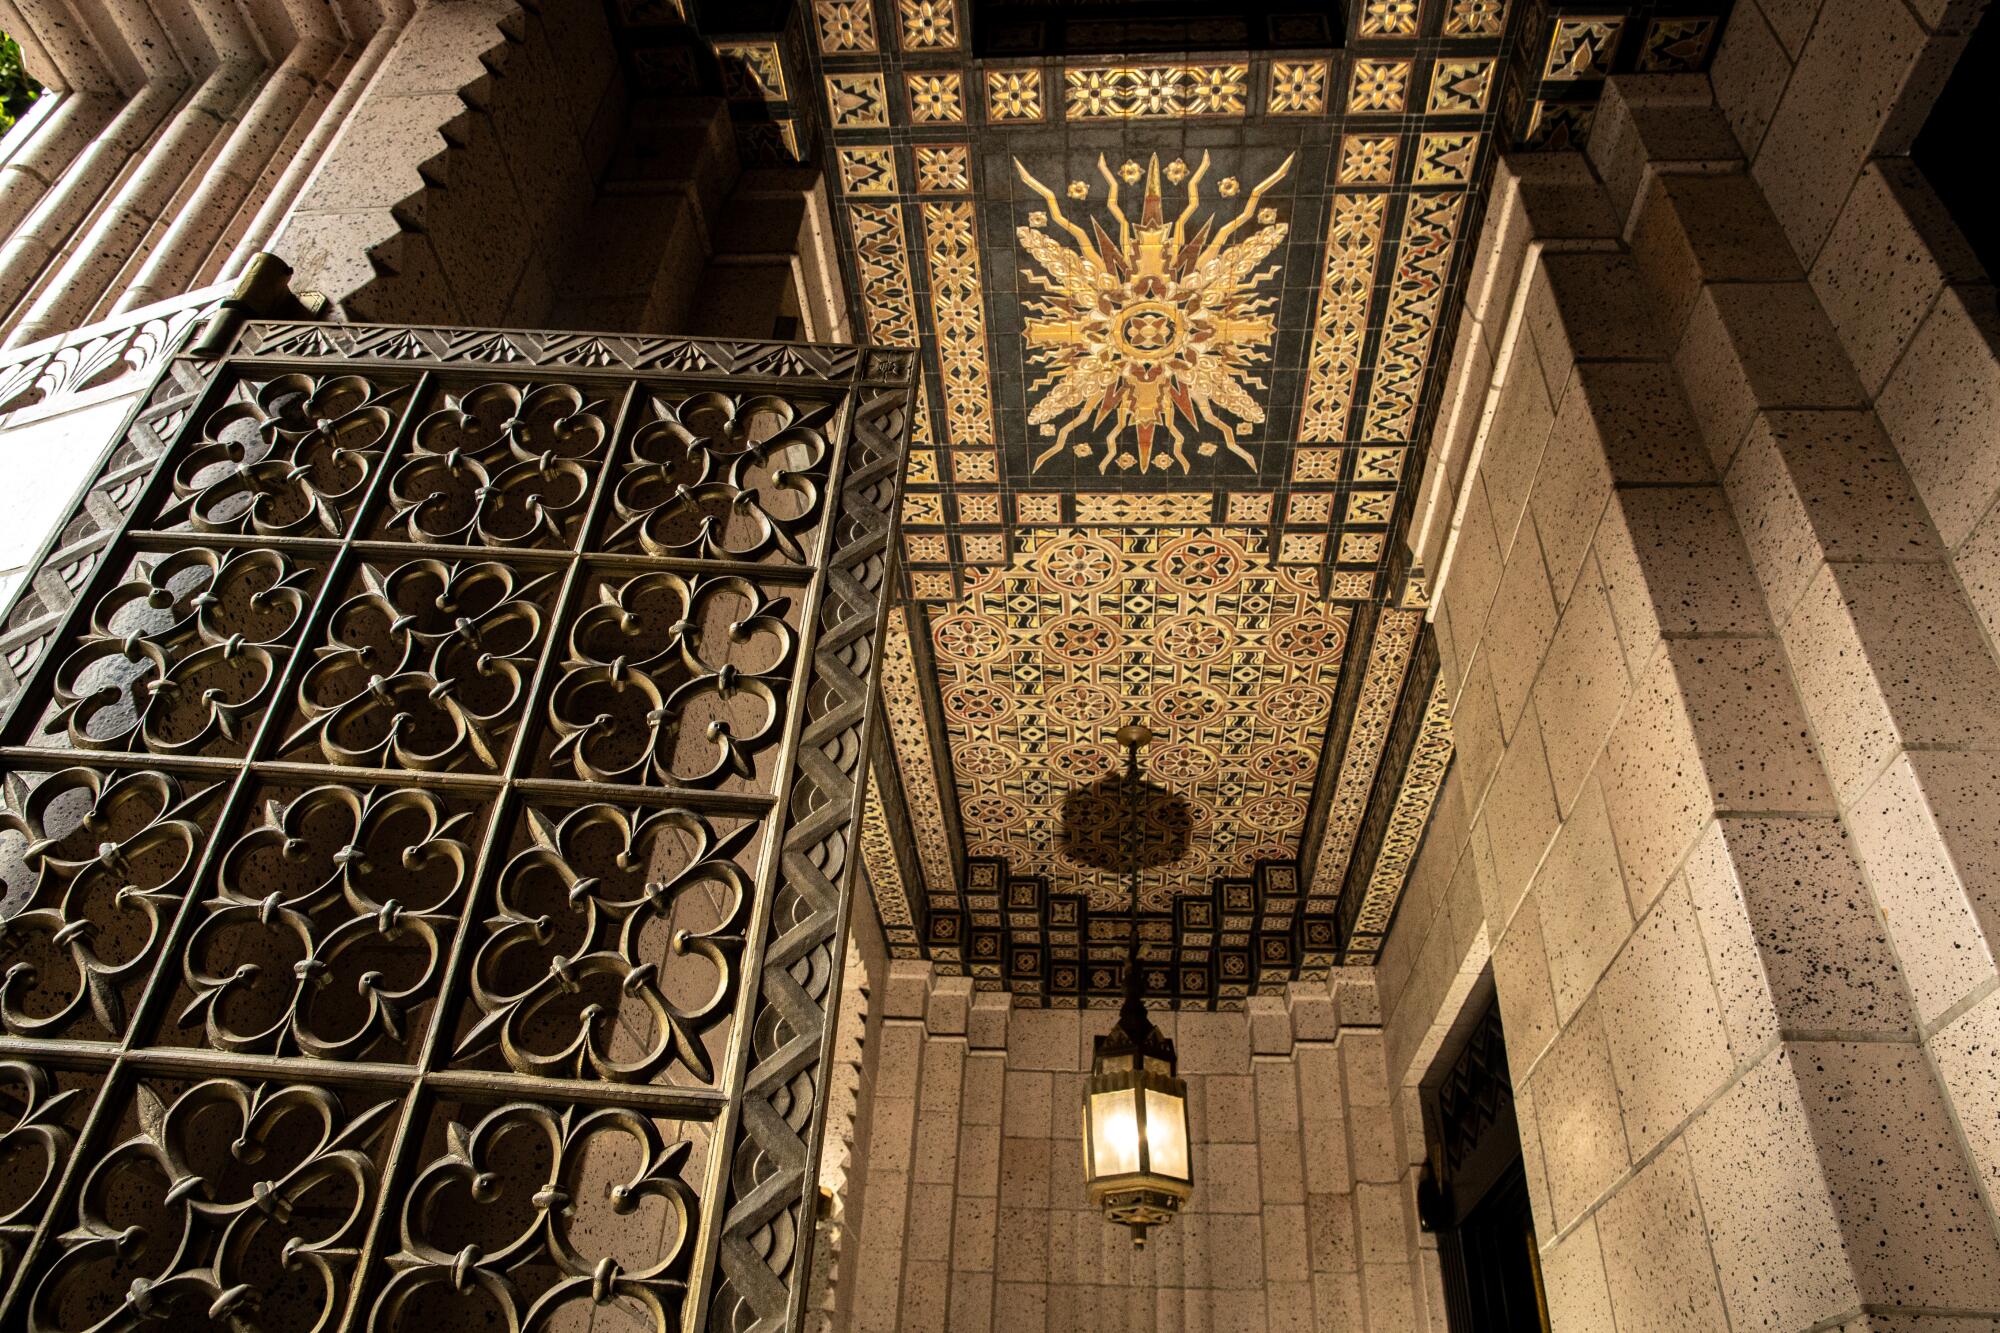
{"x":1180,"y":277}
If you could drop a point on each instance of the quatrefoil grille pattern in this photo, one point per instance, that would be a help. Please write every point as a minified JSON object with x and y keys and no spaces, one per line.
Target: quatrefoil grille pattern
{"x":289,"y":457}
{"x":424,"y":836}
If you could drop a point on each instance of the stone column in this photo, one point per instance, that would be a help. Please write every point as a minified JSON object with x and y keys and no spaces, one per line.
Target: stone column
{"x":1300,"y":1218}
{"x":1714,"y":682}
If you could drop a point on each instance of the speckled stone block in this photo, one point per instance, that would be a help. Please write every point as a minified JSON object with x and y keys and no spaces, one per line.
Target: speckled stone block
{"x":1659,"y":1272}
{"x":1827,"y":123}
{"x":1693,"y":560}
{"x":949,"y":1006}
{"x":971,"y":1301}
{"x":1967,"y":1052}
{"x":1927,"y":834}
{"x":1212,"y":1043}
{"x":1591,"y":306}
{"x":1820,"y":945}
{"x":1576,"y":1107}
{"x":1941,"y":407}
{"x":373,"y":270}
{"x":1311,"y":1010}
{"x":1977,"y":564}
{"x":1893,"y":249}
{"x":1625,"y":584}
{"x":1771,"y":1226}
{"x":1521,"y":809}
{"x":1020,"y":1307}
{"x":986,"y":1025}
{"x":1475,"y":569}
{"x":906,"y":992}
{"x":1573,"y":1275}
{"x":1583,"y":687}
{"x":1475,"y":725}
{"x":1043,"y":1039}
{"x":1521,"y":975}
{"x":1529,"y":615}
{"x":1648,"y":123}
{"x":974,"y":1231}
{"x":1654,"y":784}
{"x":979,"y":1161}
{"x":1808,"y":487}
{"x":1533,"y":1163}
{"x":1917,"y":1230}
{"x":1571,"y":488}
{"x":1758,"y":346}
{"x":983,"y":1087}
{"x":1749,"y":73}
{"x":1270,"y":1025}
{"x":1663,"y":1023}
{"x":1514,"y":446}
{"x":390,"y":149}
{"x":1691,"y":229}
{"x":1886,"y":656}
{"x":1585,"y":913}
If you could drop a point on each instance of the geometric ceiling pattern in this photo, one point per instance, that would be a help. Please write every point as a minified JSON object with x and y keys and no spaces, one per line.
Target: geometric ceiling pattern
{"x":1181,"y":279}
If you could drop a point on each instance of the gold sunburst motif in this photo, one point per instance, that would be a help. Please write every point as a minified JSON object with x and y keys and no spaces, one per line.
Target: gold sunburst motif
{"x":1156,"y":330}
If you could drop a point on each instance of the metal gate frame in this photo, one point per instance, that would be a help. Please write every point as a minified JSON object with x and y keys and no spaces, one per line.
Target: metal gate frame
{"x":98,"y":1087}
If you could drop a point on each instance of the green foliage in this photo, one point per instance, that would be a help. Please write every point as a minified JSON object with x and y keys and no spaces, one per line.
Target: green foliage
{"x":18,"y":88}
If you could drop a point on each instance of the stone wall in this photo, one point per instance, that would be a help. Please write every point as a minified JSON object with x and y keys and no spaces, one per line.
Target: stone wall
{"x":1713,"y":611}
{"x":850,"y":1099}
{"x":170,"y":140}
{"x":976,"y":1216}
{"x":471,"y":160}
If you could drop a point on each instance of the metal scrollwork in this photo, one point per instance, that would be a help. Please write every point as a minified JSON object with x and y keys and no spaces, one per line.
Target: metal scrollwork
{"x":502,"y":465}
{"x":534,"y":1219}
{"x":428,"y":666}
{"x":183,"y":655}
{"x":94,"y":867}
{"x":589,"y":967}
{"x":237,"y":1204}
{"x":35,"y":1142}
{"x":719,"y":477}
{"x":431,"y":757}
{"x":673,"y":679}
{"x":291,"y":459}
{"x":329,"y":925}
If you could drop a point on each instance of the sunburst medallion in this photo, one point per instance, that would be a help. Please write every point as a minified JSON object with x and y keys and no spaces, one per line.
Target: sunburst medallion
{"x":1152,"y":331}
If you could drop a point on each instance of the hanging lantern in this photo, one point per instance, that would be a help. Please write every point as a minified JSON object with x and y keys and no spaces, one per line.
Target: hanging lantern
{"x":1135,"y":1126}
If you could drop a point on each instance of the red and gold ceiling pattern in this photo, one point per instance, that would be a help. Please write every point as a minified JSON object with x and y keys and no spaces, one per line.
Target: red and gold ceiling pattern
{"x":1179,"y":313}
{"x":1233,"y":659}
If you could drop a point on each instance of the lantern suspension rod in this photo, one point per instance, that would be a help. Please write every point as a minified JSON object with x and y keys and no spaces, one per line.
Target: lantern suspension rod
{"x":1131,"y":836}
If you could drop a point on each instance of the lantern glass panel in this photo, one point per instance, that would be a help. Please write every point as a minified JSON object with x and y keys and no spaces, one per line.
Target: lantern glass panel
{"x":1166,"y":1135}
{"x":1114,"y":1127}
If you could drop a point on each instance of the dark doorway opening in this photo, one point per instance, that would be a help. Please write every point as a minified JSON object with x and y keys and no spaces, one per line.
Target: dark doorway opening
{"x":1475,"y":1192}
{"x":1954,"y":147}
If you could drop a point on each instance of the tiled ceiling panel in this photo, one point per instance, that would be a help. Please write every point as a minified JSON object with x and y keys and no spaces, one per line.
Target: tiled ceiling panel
{"x":1181,"y":278}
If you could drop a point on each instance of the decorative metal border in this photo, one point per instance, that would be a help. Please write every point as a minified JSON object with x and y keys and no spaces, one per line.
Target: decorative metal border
{"x":746,"y":1258}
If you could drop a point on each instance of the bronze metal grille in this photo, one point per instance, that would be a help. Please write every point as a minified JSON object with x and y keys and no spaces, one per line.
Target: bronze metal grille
{"x":425,"y":834}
